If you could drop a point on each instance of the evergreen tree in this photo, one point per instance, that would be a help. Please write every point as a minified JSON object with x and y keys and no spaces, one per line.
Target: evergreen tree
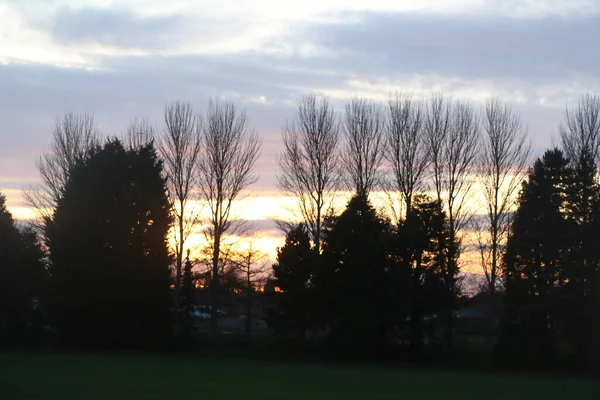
{"x":22,"y":277}
{"x":109,"y":257}
{"x":581,"y":305}
{"x":536,"y":261}
{"x":187,"y":300}
{"x":428,"y":287}
{"x":292,"y":274}
{"x":186,"y":293}
{"x":354,"y":280}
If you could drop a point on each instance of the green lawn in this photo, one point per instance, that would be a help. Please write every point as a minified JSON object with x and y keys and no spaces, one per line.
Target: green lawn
{"x":135,"y":377}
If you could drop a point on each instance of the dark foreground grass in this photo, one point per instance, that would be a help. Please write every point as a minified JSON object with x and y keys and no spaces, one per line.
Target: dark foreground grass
{"x":138,"y":377}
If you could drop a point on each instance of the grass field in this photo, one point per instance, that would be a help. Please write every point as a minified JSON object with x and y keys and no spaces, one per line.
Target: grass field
{"x":136,"y":377}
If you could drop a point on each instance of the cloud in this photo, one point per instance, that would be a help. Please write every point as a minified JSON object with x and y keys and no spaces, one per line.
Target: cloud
{"x":496,"y":48}
{"x":117,"y":28}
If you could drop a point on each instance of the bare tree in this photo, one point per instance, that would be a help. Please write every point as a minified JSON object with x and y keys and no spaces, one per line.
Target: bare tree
{"x":226,"y":168}
{"x":580,"y":134}
{"x":249,"y":263}
{"x":407,"y":146}
{"x":309,"y":166}
{"x":180,"y":146}
{"x":504,"y":159}
{"x":438,"y":123}
{"x":453,"y":134}
{"x":452,"y":131}
{"x":73,"y":136}
{"x":139,"y":133}
{"x":364,"y":129}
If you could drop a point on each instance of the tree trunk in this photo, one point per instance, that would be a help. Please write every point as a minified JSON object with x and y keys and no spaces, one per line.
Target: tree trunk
{"x":214,"y":287}
{"x":249,"y":307}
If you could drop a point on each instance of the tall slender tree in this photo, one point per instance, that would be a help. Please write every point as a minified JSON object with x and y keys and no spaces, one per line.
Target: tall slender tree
{"x":310,"y":164}
{"x":225,"y":169}
{"x":453,"y":134}
{"x":407,"y":150}
{"x":505,"y":154}
{"x":438,"y":123}
{"x":180,"y":146}
{"x":364,"y":130}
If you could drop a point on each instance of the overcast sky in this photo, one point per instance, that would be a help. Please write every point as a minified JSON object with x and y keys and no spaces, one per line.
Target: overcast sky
{"x":126,"y":59}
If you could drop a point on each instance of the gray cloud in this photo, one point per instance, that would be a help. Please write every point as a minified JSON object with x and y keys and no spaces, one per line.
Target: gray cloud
{"x":475,"y":47}
{"x":116,"y":28}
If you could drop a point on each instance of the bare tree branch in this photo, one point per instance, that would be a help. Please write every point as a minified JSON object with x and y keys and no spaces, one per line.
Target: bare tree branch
{"x":460,"y":159}
{"x":407,"y":146}
{"x":309,"y":166}
{"x":364,"y":129}
{"x":249,"y":263}
{"x":580,"y":134}
{"x":139,"y":133}
{"x":438,"y":123}
{"x":73,"y":136}
{"x":180,"y":144}
{"x":504,"y":160}
{"x":226,"y":168}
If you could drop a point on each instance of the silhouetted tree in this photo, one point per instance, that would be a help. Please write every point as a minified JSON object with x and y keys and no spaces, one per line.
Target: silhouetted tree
{"x":537,"y":263}
{"x":187,"y":300}
{"x":310,"y":164}
{"x":180,"y":145}
{"x":407,"y":149}
{"x":292,"y":274}
{"x":354,"y":285}
{"x":248,"y":260}
{"x":453,"y":134}
{"x":580,"y":133}
{"x":139,"y":133}
{"x":505,"y":154}
{"x":226,"y":168}
{"x":582,"y":290}
{"x":109,"y":257}
{"x":186,"y":293}
{"x":422,"y":241}
{"x":73,"y":135}
{"x":580,"y":136}
{"x":22,"y":277}
{"x":364,"y":130}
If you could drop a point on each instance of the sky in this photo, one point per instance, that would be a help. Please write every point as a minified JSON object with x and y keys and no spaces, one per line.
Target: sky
{"x":125,"y":59}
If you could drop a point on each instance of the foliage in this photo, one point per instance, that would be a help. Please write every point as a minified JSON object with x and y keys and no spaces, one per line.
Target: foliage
{"x":107,"y":241}
{"x":353,"y":280}
{"x":22,"y":278}
{"x":536,"y":259}
{"x":552,"y":264}
{"x":422,"y":242}
{"x":292,"y":274}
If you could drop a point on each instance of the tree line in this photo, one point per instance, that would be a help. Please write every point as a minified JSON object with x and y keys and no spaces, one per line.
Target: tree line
{"x":108,"y":261}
